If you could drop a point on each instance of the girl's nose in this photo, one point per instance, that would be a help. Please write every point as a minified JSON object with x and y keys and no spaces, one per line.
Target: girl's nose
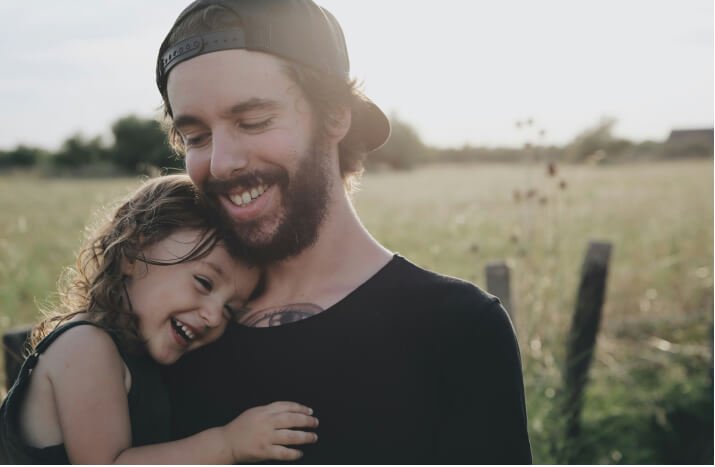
{"x":212,"y":314}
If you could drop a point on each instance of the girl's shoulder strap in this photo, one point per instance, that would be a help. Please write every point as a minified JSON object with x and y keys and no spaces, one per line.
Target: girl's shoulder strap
{"x":31,"y":361}
{"x":61,"y":329}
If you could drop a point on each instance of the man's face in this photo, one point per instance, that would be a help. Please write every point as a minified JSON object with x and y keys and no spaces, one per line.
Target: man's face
{"x":251,"y":142}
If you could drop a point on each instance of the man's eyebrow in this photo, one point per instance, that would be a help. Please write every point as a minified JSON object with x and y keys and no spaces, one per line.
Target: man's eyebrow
{"x":254,"y":103}
{"x":186,"y":120}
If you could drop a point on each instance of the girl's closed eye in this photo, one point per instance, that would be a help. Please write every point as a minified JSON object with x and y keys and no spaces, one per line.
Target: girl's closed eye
{"x":204,"y":283}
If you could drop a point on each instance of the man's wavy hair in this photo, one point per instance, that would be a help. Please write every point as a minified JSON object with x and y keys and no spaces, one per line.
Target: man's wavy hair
{"x":95,"y":286}
{"x":326,"y":94}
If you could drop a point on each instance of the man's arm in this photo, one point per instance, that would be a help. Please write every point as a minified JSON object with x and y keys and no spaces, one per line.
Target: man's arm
{"x":483,"y":411}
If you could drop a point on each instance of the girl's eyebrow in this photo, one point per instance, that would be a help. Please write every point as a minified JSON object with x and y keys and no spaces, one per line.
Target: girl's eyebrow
{"x":214,"y":266}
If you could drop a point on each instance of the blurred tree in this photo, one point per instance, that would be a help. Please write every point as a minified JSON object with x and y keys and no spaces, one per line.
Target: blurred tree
{"x":77,"y":151}
{"x":597,"y":140}
{"x":140,"y":145}
{"x":21,"y":156}
{"x":402,"y":150}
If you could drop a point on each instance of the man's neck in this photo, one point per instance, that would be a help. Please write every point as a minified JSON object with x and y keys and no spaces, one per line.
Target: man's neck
{"x":344,"y":256}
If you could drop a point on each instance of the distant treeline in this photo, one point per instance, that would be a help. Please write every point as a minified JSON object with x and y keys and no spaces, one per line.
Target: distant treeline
{"x":597,"y":144}
{"x":140,"y":146}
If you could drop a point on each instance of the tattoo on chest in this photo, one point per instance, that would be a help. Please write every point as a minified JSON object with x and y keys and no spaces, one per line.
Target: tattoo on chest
{"x":279,"y":315}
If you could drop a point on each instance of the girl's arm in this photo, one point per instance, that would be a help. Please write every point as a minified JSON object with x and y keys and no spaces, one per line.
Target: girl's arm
{"x":87,"y":376}
{"x":257,"y":434}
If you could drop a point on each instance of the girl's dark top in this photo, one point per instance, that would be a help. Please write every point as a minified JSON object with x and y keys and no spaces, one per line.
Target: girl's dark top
{"x":148,"y":407}
{"x":411,"y":367}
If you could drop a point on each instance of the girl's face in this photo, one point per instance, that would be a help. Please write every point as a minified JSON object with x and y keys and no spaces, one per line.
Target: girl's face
{"x":184,"y":306}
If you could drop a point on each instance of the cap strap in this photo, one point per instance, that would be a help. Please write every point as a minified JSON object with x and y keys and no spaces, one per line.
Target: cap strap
{"x":213,"y":42}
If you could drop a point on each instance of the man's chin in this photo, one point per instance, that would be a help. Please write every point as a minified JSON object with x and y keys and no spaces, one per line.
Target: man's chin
{"x":292,"y":223}
{"x":266,"y":253}
{"x":258,"y":233}
{"x":262,"y":247}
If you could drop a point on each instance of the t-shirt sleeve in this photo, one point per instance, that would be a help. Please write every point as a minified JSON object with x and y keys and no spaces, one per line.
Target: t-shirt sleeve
{"x":482,"y":417}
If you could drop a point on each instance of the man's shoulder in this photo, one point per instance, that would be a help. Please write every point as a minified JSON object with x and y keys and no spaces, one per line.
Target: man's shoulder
{"x":410,"y":276}
{"x":447,"y":308}
{"x":436,"y":292}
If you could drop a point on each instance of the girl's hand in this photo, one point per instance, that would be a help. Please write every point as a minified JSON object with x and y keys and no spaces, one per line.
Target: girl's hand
{"x":261,"y":433}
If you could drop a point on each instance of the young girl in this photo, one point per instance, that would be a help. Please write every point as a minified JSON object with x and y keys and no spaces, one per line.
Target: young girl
{"x":154,"y":282}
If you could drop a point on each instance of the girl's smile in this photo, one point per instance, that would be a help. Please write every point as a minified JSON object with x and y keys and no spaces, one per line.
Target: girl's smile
{"x":185,"y":305}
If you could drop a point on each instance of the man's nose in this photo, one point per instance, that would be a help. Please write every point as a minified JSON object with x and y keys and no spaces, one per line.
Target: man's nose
{"x":228,"y":154}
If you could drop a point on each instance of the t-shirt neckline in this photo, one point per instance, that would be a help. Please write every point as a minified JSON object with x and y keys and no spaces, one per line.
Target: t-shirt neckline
{"x":330,"y":311}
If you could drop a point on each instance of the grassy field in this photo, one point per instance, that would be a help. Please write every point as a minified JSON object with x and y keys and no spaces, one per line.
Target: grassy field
{"x":650,"y":382}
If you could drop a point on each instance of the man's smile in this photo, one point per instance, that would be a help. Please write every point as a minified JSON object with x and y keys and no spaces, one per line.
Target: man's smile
{"x":246,"y":196}
{"x":244,"y":204}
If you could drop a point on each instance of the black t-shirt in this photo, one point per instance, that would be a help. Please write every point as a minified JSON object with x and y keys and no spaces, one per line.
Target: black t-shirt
{"x":411,"y":367}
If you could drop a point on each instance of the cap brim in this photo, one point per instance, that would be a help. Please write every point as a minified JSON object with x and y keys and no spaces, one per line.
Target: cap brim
{"x":370,"y":125}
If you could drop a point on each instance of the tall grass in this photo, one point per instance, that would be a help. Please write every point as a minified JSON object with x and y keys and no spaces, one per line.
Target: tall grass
{"x":655,"y":343}
{"x":657,"y":323}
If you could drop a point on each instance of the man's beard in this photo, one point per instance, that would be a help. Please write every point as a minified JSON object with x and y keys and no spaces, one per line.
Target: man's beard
{"x":304,"y":198}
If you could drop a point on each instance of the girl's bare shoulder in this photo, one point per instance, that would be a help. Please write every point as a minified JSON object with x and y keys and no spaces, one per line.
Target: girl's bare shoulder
{"x":79,"y":353}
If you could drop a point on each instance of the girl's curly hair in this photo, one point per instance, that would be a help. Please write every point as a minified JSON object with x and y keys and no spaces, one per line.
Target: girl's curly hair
{"x":95,"y":287}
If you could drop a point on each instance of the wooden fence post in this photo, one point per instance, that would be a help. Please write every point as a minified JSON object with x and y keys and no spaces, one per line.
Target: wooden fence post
{"x":13,"y":344}
{"x":581,"y":341}
{"x":498,"y":284}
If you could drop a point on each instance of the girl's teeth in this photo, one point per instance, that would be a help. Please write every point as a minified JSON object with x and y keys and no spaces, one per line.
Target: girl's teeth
{"x":188,"y":333}
{"x":184,"y":329}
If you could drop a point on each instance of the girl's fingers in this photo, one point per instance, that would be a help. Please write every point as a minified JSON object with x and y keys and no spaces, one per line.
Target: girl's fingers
{"x":282,"y":453}
{"x":294,"y":437}
{"x":284,"y":406}
{"x":294,"y":420}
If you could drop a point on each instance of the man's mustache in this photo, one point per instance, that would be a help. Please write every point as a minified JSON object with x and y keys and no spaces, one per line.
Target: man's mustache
{"x":272,"y":176}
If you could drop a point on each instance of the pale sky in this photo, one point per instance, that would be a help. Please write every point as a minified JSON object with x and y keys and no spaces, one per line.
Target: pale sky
{"x":459,"y":71}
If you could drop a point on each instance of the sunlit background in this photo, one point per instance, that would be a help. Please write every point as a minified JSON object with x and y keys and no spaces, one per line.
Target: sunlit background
{"x":459,"y":71}
{"x":522,"y":132}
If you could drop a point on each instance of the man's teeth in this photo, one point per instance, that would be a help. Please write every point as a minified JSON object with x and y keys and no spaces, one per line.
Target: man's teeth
{"x":245,"y":197}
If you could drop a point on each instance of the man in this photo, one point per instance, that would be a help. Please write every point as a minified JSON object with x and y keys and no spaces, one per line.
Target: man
{"x":401,"y":365}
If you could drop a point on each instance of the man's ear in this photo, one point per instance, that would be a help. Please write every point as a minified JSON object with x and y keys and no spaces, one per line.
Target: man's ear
{"x":338,"y":123}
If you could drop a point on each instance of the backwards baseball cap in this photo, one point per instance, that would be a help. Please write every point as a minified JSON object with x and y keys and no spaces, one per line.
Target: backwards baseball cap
{"x":297,"y":30}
